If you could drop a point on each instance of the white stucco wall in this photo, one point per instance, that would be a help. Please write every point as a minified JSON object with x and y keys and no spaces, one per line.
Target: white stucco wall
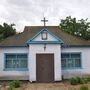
{"x":34,"y":49}
{"x":50,"y":48}
{"x":85,"y":59}
{"x":2,"y":57}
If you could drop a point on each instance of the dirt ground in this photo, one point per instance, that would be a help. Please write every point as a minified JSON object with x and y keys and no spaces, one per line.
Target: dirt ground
{"x":44,"y":86}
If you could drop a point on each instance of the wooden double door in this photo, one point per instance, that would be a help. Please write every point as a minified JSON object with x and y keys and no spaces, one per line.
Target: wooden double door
{"x":45,"y":68}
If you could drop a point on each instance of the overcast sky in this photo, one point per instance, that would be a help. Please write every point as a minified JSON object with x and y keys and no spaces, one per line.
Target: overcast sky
{"x":30,"y":12}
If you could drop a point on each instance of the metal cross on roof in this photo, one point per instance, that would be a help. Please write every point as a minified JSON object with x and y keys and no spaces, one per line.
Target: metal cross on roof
{"x":44,"y":20}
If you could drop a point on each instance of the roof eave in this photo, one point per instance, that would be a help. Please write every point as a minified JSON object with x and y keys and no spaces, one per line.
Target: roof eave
{"x":66,"y":46}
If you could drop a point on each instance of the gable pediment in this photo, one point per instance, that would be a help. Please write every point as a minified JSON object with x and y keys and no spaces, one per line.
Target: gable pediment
{"x":44,"y":36}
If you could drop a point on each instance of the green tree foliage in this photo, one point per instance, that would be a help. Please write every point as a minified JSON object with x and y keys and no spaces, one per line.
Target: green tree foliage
{"x":80,"y":28}
{"x":7,"y":30}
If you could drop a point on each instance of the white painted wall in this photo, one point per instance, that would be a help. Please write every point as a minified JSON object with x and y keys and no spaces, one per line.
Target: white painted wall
{"x":50,"y":48}
{"x":11,"y":50}
{"x":85,"y":57}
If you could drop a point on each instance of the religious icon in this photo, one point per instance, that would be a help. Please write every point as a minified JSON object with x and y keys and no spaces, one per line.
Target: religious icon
{"x":44,"y":35}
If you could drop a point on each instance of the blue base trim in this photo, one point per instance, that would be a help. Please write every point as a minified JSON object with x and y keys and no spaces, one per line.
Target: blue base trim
{"x":72,"y":68}
{"x":16,"y":69}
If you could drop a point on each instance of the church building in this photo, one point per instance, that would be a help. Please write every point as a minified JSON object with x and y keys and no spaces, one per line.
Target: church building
{"x":44,"y":54}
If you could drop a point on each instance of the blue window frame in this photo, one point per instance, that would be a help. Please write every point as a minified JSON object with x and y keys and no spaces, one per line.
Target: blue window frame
{"x":71,"y":60}
{"x":16,"y":61}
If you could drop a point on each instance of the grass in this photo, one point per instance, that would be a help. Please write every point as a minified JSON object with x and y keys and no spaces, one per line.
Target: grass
{"x":17,"y":89}
{"x":26,"y":85}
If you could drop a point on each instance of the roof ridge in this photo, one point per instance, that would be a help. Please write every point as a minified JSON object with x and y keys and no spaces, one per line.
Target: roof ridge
{"x":42,"y":26}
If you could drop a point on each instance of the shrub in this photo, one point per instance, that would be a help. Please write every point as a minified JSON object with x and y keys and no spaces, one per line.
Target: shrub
{"x":78,"y":79}
{"x":83,"y":81}
{"x":84,"y":87}
{"x":15,"y":84}
{"x":73,"y":81}
{"x":10,"y":88}
{"x":88,"y":78}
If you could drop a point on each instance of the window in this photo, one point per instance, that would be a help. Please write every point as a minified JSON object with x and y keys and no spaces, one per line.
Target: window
{"x":71,"y":60}
{"x":16,"y":61}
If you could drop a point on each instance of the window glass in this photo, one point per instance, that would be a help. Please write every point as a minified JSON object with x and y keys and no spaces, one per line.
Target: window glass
{"x":14,"y":61}
{"x":71,"y":60}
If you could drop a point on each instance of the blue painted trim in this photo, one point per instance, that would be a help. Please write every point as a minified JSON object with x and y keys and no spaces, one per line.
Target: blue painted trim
{"x":55,"y":36}
{"x":16,"y":53}
{"x":4,"y":61}
{"x":71,"y":52}
{"x":44,"y":42}
{"x":37,"y":34}
{"x":72,"y":68}
{"x":15,"y":69}
{"x":80,"y":60}
{"x":59,"y":40}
